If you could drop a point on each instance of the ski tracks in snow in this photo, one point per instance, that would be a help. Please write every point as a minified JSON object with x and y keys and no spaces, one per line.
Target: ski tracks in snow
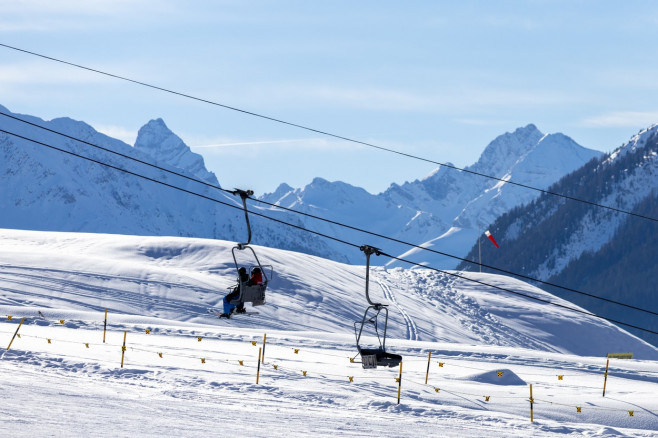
{"x":412,"y":329}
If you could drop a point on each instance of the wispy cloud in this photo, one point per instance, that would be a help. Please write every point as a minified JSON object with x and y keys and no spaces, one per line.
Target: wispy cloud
{"x":252,"y":143}
{"x":481,"y":122}
{"x":406,"y":100}
{"x":33,"y":72}
{"x":622,"y":119}
{"x":68,"y":15}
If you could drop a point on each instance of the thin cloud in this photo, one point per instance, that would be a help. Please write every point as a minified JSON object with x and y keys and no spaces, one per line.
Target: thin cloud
{"x":252,"y":143}
{"x":622,"y":119}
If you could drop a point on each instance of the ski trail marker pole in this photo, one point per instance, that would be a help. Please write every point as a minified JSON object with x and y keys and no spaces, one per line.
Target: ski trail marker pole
{"x":258,"y":369}
{"x":15,"y":333}
{"x":123,"y":349}
{"x":105,"y":326}
{"x":400,"y":383}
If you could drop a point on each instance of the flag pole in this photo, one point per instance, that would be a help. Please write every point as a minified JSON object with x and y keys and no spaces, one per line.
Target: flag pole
{"x":479,"y":247}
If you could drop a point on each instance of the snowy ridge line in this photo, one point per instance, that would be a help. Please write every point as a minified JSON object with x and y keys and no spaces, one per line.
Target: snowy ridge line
{"x":155,"y":166}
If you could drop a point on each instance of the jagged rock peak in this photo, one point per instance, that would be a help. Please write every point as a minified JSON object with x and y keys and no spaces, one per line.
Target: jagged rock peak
{"x":156,"y":138}
{"x":158,"y":141}
{"x":507,"y":148}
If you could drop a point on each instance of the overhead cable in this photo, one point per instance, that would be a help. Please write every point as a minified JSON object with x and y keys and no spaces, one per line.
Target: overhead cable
{"x":324,"y":235}
{"x":526,"y":277}
{"x":329,"y":134}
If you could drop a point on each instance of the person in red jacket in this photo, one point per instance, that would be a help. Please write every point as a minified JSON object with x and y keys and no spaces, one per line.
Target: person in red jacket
{"x":256,"y":276}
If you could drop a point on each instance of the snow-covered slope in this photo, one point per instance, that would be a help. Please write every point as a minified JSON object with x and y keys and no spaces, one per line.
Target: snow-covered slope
{"x":601,"y":251}
{"x":63,"y":377}
{"x":178,"y":279}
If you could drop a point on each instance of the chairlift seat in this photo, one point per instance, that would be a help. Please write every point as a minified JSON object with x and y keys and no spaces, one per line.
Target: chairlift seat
{"x":374,"y":357}
{"x":254,"y":294}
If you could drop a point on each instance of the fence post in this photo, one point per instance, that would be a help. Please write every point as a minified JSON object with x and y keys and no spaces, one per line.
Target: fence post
{"x":400,"y":383}
{"x":532,"y":401}
{"x":264,"y":340}
{"x":427,"y":374}
{"x":258,"y":369}
{"x":15,"y":333}
{"x":105,"y":326}
{"x":123,"y":349}
{"x":605,"y":380}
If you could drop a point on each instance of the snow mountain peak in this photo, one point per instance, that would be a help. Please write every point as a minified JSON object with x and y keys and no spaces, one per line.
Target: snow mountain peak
{"x":506,"y":149}
{"x":166,"y":148}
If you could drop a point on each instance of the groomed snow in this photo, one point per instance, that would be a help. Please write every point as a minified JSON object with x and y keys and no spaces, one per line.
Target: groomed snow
{"x":74,"y":385}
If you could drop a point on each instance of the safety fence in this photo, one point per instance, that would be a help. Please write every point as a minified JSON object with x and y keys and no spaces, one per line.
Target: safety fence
{"x":284,"y":362}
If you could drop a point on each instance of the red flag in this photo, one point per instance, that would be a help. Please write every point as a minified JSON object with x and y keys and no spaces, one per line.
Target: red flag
{"x":488,"y":234}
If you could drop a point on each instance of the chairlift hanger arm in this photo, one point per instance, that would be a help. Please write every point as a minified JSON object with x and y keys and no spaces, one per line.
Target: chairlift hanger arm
{"x":244,"y":194}
{"x":370,"y":250}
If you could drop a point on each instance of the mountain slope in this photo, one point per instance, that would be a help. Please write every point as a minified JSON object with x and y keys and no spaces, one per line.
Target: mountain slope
{"x":442,"y":211}
{"x":44,"y":189}
{"x":605,"y":252}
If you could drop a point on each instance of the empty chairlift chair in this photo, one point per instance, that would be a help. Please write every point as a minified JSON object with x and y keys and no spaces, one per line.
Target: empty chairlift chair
{"x":372,"y":357}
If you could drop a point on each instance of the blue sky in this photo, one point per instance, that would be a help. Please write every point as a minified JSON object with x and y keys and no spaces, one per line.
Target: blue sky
{"x":439,"y":79}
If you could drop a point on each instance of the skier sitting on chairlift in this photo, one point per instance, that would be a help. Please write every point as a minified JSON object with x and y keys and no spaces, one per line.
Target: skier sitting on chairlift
{"x":229,"y":308}
{"x":256,"y":276}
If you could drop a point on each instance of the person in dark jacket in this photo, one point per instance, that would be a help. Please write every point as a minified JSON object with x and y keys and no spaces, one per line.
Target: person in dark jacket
{"x":229,"y":308}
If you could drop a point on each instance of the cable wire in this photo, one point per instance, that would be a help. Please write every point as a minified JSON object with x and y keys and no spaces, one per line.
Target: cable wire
{"x":453,"y":274}
{"x":329,"y":134}
{"x":322,"y":234}
{"x":504,"y":271}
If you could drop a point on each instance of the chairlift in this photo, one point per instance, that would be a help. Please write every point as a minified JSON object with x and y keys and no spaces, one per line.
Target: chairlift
{"x":253,"y":293}
{"x":374,"y":357}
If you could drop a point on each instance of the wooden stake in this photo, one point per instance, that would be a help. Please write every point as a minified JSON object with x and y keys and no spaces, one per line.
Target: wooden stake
{"x":123,"y":349}
{"x":105,"y":326}
{"x":15,"y":333}
{"x":532,"y":401}
{"x":264,"y":340}
{"x":427,"y":374}
{"x":258,"y":369}
{"x":605,"y":380}
{"x":400,"y":383}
